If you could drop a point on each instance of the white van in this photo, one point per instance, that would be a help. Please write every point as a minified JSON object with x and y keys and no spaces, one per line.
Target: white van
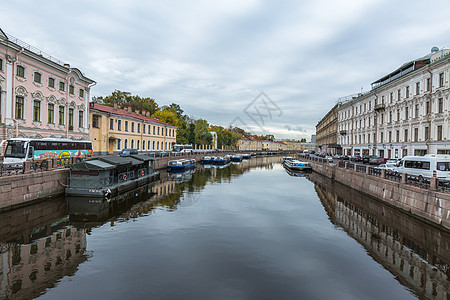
{"x":430,"y":165}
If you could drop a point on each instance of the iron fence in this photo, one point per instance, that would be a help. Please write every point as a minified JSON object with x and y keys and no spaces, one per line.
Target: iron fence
{"x":443,"y":185}
{"x":375,"y":171}
{"x":392,"y":175}
{"x":419,"y":181}
{"x":341,"y":164}
{"x":361,"y":169}
{"x":350,"y":166}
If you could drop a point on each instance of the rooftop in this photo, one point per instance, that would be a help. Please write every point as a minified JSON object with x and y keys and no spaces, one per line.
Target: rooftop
{"x":125,"y":113}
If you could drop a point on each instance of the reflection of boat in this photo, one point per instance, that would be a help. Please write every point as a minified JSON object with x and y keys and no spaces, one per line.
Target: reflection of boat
{"x":181,"y":164}
{"x":236,"y":158}
{"x":182,"y":176}
{"x":295,"y":173}
{"x":246,"y":156}
{"x":110,"y":175}
{"x":297,"y":165}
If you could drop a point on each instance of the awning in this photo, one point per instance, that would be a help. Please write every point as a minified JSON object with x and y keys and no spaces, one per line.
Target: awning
{"x":91,"y":165}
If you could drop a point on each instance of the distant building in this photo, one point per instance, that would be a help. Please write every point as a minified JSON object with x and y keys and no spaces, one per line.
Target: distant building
{"x":39,"y":95}
{"x":313,"y":138}
{"x":326,"y":132}
{"x":113,"y":129}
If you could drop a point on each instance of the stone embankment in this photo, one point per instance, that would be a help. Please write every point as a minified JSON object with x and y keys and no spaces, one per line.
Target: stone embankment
{"x":427,"y":203}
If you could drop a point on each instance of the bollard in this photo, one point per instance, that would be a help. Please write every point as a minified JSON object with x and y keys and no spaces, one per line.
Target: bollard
{"x":55,"y":163}
{"x":434,"y":183}
{"x":383,"y":173}
{"x":346,"y":164}
{"x":367,"y":170}
{"x":50,"y":164}
{"x":355,"y":167}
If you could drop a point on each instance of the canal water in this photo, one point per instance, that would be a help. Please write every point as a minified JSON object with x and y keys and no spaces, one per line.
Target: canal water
{"x":248,"y":231}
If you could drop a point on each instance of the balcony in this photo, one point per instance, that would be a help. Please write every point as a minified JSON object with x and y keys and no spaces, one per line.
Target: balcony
{"x":380,"y":107}
{"x":343,"y":132}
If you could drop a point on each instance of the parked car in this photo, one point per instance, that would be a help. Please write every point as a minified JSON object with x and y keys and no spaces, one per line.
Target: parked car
{"x":376,"y":160}
{"x":128,"y":152}
{"x":356,"y":158}
{"x":345,"y":157}
{"x":329,"y":158}
{"x":366,"y":158}
{"x":393,"y":161}
{"x":387,"y":166}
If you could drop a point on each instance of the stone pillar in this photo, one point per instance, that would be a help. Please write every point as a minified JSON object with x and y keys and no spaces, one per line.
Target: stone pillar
{"x":346,"y":164}
{"x":404,"y":177}
{"x":55,"y":163}
{"x":383,"y":173}
{"x":433,"y":183}
{"x":367,"y":170}
{"x":27,"y":167}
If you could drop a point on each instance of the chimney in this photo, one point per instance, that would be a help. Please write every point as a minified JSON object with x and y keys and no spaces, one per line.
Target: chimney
{"x":144,"y":112}
{"x":116,"y":106}
{"x":129,"y":109}
{"x":148,"y":114}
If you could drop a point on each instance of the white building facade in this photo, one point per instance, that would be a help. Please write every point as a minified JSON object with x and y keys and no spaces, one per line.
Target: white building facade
{"x":405,"y":113}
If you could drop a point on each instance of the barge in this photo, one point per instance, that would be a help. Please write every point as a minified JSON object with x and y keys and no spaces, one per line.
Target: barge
{"x":110,"y":176}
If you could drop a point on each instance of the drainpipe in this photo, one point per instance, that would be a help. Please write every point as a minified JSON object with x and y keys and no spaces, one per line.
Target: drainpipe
{"x":427,"y":141}
{"x":16,"y":125}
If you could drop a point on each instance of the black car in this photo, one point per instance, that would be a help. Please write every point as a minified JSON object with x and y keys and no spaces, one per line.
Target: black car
{"x":366,"y":159}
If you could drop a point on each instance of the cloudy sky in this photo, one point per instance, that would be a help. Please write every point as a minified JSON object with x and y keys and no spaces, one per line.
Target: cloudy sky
{"x":272,"y":67}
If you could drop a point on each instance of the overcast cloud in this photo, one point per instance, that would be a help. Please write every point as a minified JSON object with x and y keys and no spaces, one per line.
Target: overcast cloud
{"x":215,"y":57}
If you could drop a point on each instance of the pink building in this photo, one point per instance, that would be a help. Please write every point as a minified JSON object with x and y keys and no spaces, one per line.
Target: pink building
{"x":39,"y":95}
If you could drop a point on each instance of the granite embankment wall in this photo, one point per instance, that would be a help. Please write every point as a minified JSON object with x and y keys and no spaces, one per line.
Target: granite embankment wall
{"x":431,"y":205}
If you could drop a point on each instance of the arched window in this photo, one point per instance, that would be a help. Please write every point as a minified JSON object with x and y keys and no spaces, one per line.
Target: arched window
{"x":126,"y":144}
{"x":118,"y":144}
{"x":157,"y":145}
{"x":138,"y":144}
{"x":132,"y":143}
{"x":149,"y":145}
{"x":143,"y":142}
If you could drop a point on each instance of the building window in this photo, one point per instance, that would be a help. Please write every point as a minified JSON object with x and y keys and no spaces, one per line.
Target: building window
{"x":398,"y":114}
{"x":81,"y":93}
{"x":118,"y":144}
{"x":51,"y":113}
{"x":71,"y":89}
{"x":390,"y":136}
{"x":70,"y":118}
{"x":157,"y":145}
{"x":416,"y":134}
{"x":143,"y":128}
{"x":428,"y":84}
{"x":441,"y":80}
{"x":417,"y":88}
{"x":399,"y":92}
{"x":427,"y":107}
{"x":158,"y":130}
{"x":132,"y":143}
{"x":149,"y":129}
{"x":148,"y":146}
{"x":406,"y":135}
{"x":391,"y":97}
{"x":126,"y":125}
{"x":143,"y":142}
{"x":111,"y":124}
{"x":95,"y":121}
{"x":390,"y":117}
{"x":51,"y":82}
{"x":19,"y":107}
{"x":132,"y":126}
{"x":119,"y":125}
{"x":36,"y":111}
{"x":440,"y":105}
{"x":61,"y":115}
{"x":126,"y":144}
{"x":407,"y":92}
{"x":62,"y":86}
{"x":439,"y":133}
{"x":80,"y":119}
{"x":37,"y":77}
{"x":382,"y":118}
{"x":397,"y":136}
{"x":382,"y":138}
{"x":406,"y":113}
{"x":153,"y":145}
{"x":139,"y":127}
{"x":426,"y":134}
{"x":416,"y":111}
{"x":382,"y":99}
{"x":138,"y":144}
{"x":154,"y":129}
{"x":1,"y":64}
{"x":20,"y":71}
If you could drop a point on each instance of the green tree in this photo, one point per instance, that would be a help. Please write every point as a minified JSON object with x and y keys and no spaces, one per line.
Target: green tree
{"x":303,"y":140}
{"x":167,"y":115}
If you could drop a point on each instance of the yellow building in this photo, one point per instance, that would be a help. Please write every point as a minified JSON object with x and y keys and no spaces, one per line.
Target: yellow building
{"x":113,"y":129}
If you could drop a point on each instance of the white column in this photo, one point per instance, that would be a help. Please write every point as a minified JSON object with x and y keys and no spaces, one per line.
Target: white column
{"x":9,"y":93}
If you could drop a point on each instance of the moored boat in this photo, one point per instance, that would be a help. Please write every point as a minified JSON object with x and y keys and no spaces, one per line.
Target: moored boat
{"x":236,"y":158}
{"x":181,"y":165}
{"x":222,"y":160}
{"x":297,"y":165}
{"x":207,"y":159}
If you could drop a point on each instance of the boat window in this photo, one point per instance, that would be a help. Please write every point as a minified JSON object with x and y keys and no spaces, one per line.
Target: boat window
{"x":443,"y":166}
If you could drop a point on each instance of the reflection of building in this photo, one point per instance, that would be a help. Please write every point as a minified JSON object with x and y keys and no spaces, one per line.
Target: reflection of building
{"x":27,"y":270}
{"x":326,"y":133}
{"x":416,"y":253}
{"x":39,"y":95}
{"x":405,"y":113}
{"x":113,"y":129}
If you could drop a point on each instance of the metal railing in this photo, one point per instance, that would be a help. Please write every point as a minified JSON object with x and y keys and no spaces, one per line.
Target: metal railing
{"x":419,"y":181}
{"x":374,"y":171}
{"x":361,"y":169}
{"x":394,"y":176}
{"x":350,"y":166}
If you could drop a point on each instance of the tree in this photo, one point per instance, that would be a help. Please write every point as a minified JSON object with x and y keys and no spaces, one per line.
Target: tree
{"x":167,"y":115}
{"x":303,"y":140}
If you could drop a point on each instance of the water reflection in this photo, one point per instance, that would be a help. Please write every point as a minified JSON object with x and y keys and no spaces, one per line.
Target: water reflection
{"x":417,"y":254}
{"x":37,"y":248}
